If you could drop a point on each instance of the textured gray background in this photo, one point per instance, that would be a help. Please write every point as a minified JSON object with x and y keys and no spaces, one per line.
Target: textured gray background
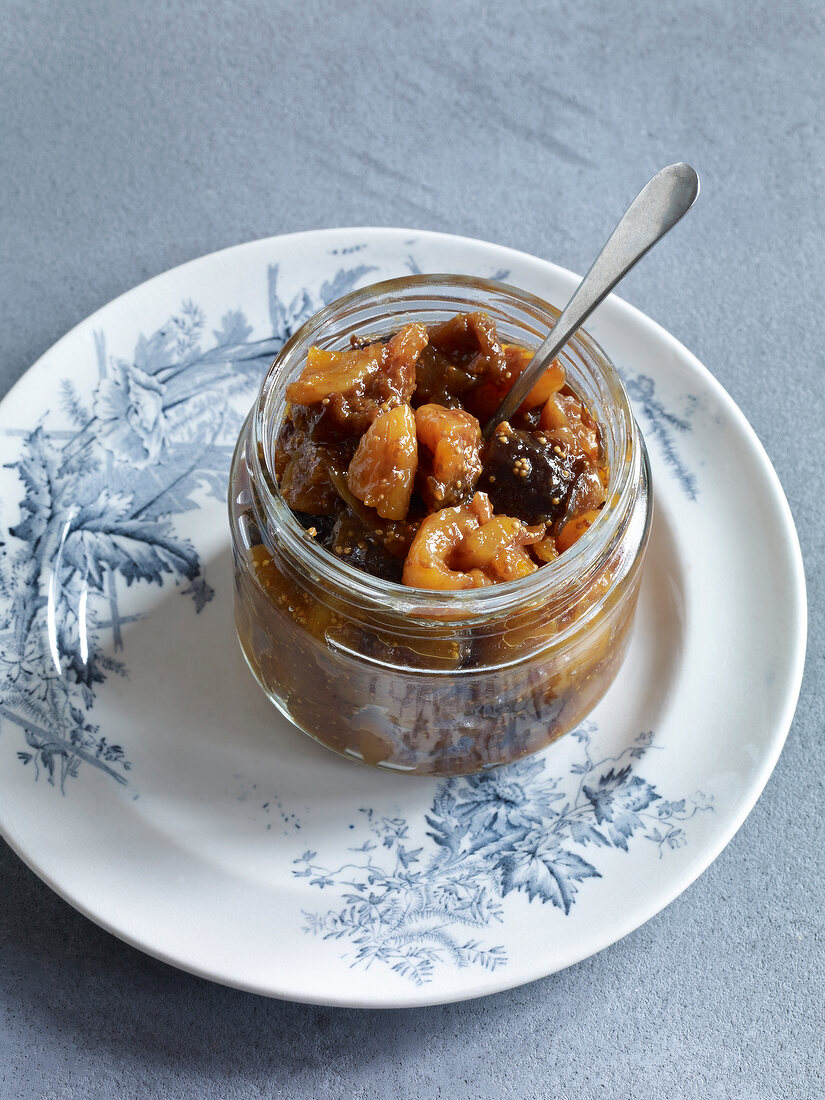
{"x":137,"y":136}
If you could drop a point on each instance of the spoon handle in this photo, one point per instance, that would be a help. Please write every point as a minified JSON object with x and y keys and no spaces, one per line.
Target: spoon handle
{"x":656,"y":209}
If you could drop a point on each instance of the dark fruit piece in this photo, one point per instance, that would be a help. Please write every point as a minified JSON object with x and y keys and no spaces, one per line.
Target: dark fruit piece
{"x":463,"y":354}
{"x":306,"y":483}
{"x":290,"y":440}
{"x":353,"y":543}
{"x":470,"y":341}
{"x":525,"y":476}
{"x":439,"y":381}
{"x":321,"y":526}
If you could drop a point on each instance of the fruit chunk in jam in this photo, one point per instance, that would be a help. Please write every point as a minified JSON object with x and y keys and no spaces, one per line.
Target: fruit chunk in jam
{"x":525,"y":474}
{"x":340,"y":393}
{"x":450,"y":443}
{"x":385,"y":437}
{"x":382,"y":470}
{"x":469,"y":547}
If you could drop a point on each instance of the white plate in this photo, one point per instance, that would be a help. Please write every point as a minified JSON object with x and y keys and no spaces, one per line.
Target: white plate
{"x":146,"y":779}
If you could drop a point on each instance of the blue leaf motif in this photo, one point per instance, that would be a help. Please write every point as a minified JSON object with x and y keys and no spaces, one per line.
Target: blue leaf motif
{"x":155,"y":432}
{"x":154,"y":352}
{"x":617,"y":800}
{"x":104,"y":533}
{"x":513,"y":830}
{"x":39,"y":470}
{"x":584,"y":833}
{"x":660,"y":424}
{"x":201,"y":593}
{"x":170,"y":487}
{"x":543,"y":869}
{"x":287,"y":318}
{"x":234,"y":329}
{"x":405,"y":858}
{"x":321,"y":881}
{"x":343,"y":282}
{"x":72,"y":405}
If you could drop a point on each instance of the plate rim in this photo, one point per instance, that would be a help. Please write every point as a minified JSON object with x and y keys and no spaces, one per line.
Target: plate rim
{"x":678,"y":883}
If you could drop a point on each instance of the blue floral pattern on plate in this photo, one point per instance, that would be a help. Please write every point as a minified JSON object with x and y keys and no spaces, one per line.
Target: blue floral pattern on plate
{"x":97,"y":512}
{"x":517,"y":829}
{"x":661,"y":425}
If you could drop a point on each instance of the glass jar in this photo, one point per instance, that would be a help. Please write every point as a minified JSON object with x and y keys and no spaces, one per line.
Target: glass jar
{"x":435,"y":683}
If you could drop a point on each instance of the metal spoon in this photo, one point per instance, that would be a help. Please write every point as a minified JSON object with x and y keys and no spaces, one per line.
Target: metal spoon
{"x":656,"y":209}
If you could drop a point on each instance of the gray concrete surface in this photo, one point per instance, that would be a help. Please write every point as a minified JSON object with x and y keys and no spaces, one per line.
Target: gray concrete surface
{"x":136,"y":136}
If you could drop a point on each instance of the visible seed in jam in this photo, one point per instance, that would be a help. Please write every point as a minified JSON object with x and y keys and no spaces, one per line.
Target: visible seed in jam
{"x":351,"y":541}
{"x":526,"y":477}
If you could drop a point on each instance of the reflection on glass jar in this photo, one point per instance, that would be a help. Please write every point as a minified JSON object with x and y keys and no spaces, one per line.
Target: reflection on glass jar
{"x":435,"y":683}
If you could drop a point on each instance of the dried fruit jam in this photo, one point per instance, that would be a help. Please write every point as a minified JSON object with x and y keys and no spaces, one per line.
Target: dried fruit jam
{"x":390,"y":430}
{"x":421,"y":658}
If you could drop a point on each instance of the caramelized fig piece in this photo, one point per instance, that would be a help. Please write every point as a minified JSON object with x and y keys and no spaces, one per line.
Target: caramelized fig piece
{"x":340,"y":393}
{"x":394,"y":535}
{"x":403,"y":352}
{"x":383,"y":467}
{"x":484,"y":400}
{"x":468,"y":547}
{"x":545,"y":550}
{"x":588,"y":492}
{"x":497,"y":548}
{"x":526,"y":475}
{"x":355,"y":544}
{"x":339,"y":372}
{"x":470,"y":341}
{"x":550,"y":382}
{"x":566,"y":421}
{"x":289,"y":440}
{"x":575,"y":528}
{"x":440,"y":381}
{"x":449,"y":463}
{"x":429,"y":561}
{"x":463,"y":353}
{"x":305,"y":482}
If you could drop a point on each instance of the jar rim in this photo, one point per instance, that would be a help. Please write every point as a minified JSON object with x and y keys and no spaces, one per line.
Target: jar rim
{"x":569,"y":572}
